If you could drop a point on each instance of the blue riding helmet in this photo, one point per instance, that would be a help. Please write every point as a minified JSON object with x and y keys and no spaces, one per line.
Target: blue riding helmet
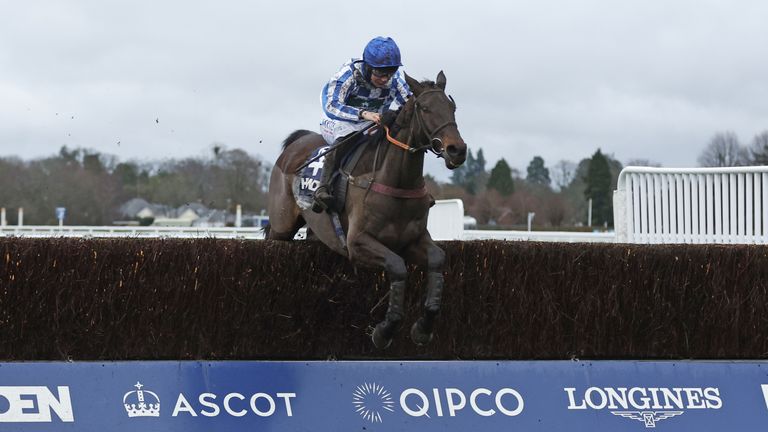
{"x":382,"y":53}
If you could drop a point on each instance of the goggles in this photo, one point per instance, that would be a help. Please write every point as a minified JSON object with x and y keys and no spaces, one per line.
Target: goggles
{"x":383,"y":73}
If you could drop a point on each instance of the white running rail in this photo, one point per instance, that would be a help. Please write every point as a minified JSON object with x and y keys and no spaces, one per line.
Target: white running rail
{"x":134,"y":232}
{"x":692,"y":205}
{"x":540,"y":236}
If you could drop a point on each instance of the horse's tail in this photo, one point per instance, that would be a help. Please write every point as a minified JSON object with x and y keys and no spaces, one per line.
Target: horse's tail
{"x":295,"y":136}
{"x":266,"y":229}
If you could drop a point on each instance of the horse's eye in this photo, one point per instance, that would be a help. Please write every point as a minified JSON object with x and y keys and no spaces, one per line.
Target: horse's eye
{"x":453,"y":102}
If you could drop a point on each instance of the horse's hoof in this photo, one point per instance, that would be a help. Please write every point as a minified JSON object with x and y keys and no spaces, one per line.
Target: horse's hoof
{"x":418,"y":336}
{"x":379,"y":340}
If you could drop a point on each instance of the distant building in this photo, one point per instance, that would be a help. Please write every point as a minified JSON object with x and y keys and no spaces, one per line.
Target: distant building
{"x":161,"y":214}
{"x":186,"y":215}
{"x":133,"y":208}
{"x":215,"y":218}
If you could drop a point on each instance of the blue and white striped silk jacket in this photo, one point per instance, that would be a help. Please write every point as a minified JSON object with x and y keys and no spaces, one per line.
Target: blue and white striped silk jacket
{"x":348,"y":93}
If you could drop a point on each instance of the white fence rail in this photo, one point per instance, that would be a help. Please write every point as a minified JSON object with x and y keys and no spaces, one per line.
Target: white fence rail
{"x":541,"y":236}
{"x":133,"y":232}
{"x":692,"y":205}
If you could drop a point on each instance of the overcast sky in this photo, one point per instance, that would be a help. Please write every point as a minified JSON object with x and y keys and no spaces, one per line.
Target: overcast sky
{"x":157,"y":79}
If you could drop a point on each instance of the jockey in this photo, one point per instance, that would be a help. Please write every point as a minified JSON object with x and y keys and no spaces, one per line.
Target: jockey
{"x":357,"y":94}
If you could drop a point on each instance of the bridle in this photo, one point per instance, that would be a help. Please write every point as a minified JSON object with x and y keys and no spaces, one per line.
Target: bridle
{"x":434,"y":144}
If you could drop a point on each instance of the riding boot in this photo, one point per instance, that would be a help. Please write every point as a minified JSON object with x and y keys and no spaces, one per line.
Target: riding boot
{"x":323,"y":197}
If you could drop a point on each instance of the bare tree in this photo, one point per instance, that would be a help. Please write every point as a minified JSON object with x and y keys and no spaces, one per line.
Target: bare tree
{"x":556,"y":209}
{"x":759,"y":149}
{"x":562,"y":173}
{"x":724,"y":150}
{"x":643,"y":163}
{"x":241,"y":178}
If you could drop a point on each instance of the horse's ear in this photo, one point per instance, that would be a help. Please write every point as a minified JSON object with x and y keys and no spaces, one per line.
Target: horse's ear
{"x":413,"y":84}
{"x":441,"y":80}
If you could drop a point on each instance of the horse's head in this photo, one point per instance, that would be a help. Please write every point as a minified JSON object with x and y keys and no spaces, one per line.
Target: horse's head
{"x":434,"y":113}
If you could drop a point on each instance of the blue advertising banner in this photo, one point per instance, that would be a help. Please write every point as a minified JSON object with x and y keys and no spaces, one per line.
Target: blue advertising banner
{"x":384,"y":396}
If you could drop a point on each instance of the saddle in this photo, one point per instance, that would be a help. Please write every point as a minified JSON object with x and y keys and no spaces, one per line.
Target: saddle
{"x":308,"y":180}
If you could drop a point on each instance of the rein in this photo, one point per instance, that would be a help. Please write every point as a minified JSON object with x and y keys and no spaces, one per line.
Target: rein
{"x":400,"y":144}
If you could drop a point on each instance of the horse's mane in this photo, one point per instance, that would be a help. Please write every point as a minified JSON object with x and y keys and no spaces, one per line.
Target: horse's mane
{"x":406,"y":110}
{"x":294,"y":136}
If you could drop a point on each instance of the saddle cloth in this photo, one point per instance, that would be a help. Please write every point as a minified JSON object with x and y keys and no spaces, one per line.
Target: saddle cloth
{"x":308,"y":180}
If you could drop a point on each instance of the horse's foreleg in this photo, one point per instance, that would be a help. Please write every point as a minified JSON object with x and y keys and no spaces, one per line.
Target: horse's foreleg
{"x":432,"y":257}
{"x":385,"y":330}
{"x":422,"y":329}
{"x":365,"y":249}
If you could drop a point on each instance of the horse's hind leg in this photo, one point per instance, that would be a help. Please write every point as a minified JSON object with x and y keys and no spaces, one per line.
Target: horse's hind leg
{"x":426,"y":253}
{"x":365,"y":249}
{"x":284,"y":224}
{"x":289,"y":234}
{"x":284,"y":215}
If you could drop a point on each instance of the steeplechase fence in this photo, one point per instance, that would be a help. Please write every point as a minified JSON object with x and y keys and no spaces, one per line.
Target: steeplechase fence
{"x":97,"y":299}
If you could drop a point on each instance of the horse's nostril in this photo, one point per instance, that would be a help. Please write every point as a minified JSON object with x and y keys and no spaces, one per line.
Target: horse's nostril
{"x":455,"y":151}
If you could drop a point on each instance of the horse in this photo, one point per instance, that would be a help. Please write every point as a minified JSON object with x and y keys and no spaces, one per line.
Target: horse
{"x":387,"y":203}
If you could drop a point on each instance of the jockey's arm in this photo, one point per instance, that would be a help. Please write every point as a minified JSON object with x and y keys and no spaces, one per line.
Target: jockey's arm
{"x":337,"y":91}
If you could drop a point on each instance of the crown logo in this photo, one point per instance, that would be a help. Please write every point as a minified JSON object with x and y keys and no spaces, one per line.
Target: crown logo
{"x":136,"y":404}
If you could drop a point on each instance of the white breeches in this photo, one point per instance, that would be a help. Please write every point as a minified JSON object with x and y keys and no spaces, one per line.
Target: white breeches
{"x":333,"y":129}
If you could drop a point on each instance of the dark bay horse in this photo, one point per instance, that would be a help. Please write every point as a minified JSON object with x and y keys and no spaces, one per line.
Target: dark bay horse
{"x":385,"y":213}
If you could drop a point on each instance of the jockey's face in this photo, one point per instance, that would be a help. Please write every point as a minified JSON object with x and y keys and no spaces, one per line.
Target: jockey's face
{"x":380,"y":77}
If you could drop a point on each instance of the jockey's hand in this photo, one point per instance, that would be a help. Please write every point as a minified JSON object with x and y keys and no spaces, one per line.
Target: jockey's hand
{"x":371,"y":116}
{"x":389,"y":117}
